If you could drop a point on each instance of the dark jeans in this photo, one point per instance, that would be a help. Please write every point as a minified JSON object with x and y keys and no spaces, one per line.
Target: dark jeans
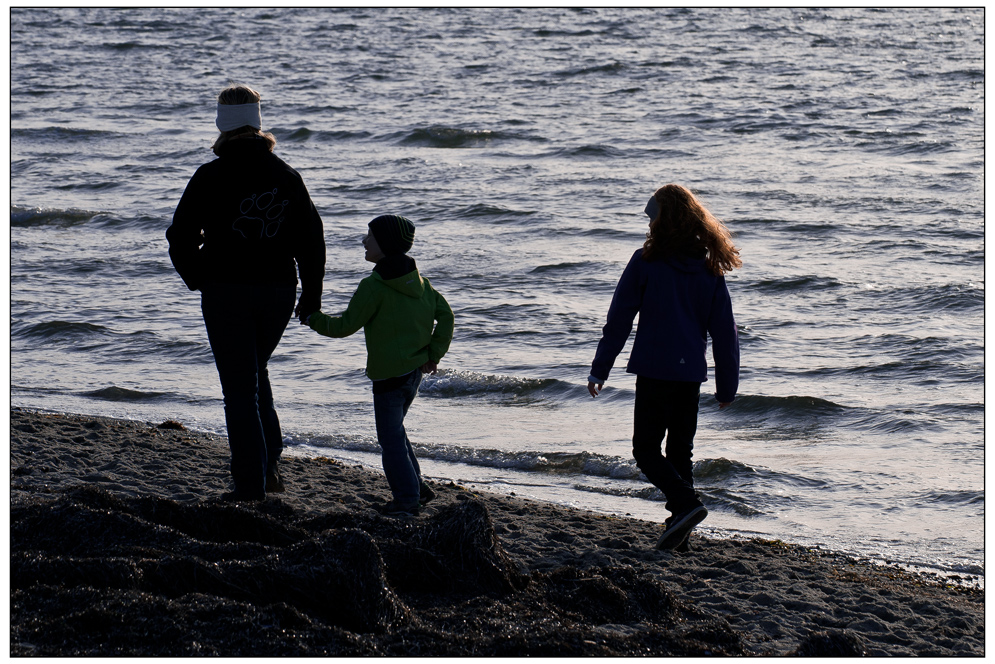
{"x":244,"y":325}
{"x":667,"y":408}
{"x":399,"y":462}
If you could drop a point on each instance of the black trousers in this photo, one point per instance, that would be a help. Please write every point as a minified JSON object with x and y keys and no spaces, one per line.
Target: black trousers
{"x":667,"y":409}
{"x":244,"y":326}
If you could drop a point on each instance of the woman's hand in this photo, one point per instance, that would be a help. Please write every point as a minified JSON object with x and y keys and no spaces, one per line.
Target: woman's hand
{"x":430,"y":367}
{"x":306,"y":306}
{"x":594,"y":388}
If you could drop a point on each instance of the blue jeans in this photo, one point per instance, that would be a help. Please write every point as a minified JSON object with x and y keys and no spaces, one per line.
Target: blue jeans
{"x":244,"y":325}
{"x":399,"y":462}
{"x":667,"y":408}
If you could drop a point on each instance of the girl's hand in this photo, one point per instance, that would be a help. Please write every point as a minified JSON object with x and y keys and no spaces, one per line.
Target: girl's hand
{"x":594,"y":388}
{"x":724,"y":404}
{"x":430,"y":368}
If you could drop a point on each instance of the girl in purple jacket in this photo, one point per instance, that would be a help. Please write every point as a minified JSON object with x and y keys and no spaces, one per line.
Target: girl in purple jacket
{"x":676,"y":284}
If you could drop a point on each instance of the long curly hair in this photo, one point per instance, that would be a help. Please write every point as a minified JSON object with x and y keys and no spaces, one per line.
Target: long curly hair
{"x":684,"y":226}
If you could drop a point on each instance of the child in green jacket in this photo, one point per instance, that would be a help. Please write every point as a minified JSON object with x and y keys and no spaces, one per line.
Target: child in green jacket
{"x":397,"y":309}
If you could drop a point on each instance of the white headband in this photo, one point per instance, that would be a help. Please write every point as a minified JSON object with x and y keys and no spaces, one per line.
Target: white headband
{"x":233,"y":116}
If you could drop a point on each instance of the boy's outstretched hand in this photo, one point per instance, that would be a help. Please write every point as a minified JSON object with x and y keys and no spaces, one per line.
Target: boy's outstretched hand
{"x":594,"y":388}
{"x":430,"y":367}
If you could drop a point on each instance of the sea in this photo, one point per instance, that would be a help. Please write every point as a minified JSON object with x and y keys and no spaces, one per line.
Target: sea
{"x":844,"y":148}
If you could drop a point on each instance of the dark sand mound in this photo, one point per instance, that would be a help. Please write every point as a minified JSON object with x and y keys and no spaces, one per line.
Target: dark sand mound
{"x":119,"y":546}
{"x":102,"y":575}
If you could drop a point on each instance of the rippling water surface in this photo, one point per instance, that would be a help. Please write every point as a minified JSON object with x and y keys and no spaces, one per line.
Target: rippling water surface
{"x":844,"y":148}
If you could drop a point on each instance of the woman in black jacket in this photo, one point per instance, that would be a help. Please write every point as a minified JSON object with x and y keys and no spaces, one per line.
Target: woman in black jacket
{"x":242,"y":232}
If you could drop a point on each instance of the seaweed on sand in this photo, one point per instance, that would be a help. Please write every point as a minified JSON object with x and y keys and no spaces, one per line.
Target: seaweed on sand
{"x":831,"y":643}
{"x":96,"y":574}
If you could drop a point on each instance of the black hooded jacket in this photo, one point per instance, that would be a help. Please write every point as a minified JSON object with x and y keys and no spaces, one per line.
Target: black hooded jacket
{"x":247,"y":218}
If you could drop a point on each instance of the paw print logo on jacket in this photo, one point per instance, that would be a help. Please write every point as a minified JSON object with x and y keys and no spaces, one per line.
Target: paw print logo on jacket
{"x":261,"y":215}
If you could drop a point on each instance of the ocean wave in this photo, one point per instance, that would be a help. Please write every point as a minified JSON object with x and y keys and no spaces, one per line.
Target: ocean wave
{"x":439,"y":136}
{"x":452,"y":383}
{"x":572,"y":34}
{"x":114,"y":393}
{"x":921,"y":371}
{"x":956,"y":297}
{"x":565,"y":267}
{"x":952,"y":498}
{"x":60,"y":329}
{"x":718,"y":478}
{"x":197,"y":352}
{"x":28,"y":217}
{"x":806,"y":283}
{"x":720,"y":498}
{"x":790,"y":406}
{"x":787,"y":226}
{"x":648,"y":492}
{"x":304,"y":135}
{"x":114,"y":345}
{"x":919,"y":353}
{"x":901,"y":143}
{"x":878,"y":422}
{"x":713,"y":498}
{"x":102,"y":185}
{"x":959,"y":409}
{"x":64,"y":134}
{"x":970,"y":74}
{"x":746,"y":127}
{"x":493,"y":213}
{"x":721,"y":469}
{"x":627,"y":91}
{"x":133,"y":45}
{"x":25,"y":217}
{"x":581,"y":463}
{"x":592,"y":151}
{"x":614,"y":233}
{"x":608,"y":68}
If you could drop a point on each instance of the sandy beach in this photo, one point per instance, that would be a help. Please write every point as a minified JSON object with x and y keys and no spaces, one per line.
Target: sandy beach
{"x":121,"y":546}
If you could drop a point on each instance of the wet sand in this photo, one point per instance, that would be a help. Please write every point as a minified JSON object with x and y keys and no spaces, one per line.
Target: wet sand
{"x":120,"y":546}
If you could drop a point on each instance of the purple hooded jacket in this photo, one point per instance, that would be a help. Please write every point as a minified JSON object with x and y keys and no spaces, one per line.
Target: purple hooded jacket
{"x":678,"y":301}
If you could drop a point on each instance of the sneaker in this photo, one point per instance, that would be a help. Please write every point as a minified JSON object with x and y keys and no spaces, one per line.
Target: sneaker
{"x":684,"y":546}
{"x":425,"y":494}
{"x":681,"y":527}
{"x":394,"y":508}
{"x":274,"y":481}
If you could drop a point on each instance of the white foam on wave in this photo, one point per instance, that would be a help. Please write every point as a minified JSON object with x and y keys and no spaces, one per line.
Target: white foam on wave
{"x":449,"y":382}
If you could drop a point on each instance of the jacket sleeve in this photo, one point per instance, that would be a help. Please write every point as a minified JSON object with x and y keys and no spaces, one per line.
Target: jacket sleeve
{"x":442,"y":336}
{"x":309,"y":252}
{"x":725,"y":344}
{"x":624,"y":307}
{"x":362,"y":307}
{"x":185,"y":238}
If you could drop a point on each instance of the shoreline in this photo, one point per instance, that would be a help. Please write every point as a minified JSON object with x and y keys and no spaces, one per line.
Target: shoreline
{"x":476,"y":573}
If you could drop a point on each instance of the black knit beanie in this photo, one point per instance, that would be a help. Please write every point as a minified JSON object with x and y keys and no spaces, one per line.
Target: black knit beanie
{"x":394,"y":234}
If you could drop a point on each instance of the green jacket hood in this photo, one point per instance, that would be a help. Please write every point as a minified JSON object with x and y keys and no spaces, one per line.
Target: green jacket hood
{"x":410,"y":284}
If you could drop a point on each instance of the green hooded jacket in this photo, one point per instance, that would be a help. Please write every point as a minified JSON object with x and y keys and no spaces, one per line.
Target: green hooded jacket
{"x":397,"y":316}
